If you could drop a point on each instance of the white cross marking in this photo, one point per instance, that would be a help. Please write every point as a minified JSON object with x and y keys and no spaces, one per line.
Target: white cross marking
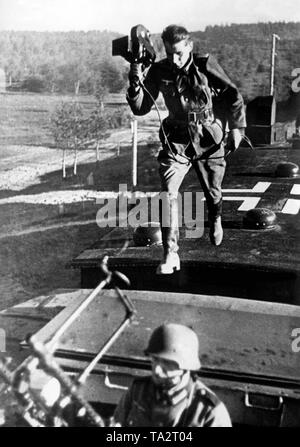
{"x":258,"y":188}
{"x":292,"y":206}
{"x":295,"y":189}
{"x":248,"y":202}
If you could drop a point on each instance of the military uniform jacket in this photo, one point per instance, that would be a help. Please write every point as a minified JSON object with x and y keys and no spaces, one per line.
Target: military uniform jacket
{"x":227,"y":102}
{"x":202,"y":87}
{"x":139,"y":407}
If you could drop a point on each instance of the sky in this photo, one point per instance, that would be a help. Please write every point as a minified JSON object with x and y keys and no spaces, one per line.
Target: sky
{"x":121,"y":15}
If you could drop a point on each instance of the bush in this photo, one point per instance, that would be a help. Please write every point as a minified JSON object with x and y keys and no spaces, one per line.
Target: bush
{"x":71,"y":128}
{"x":261,"y":68}
{"x":33,"y":84}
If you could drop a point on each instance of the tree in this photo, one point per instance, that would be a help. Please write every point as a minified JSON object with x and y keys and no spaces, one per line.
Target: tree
{"x":112,"y":77}
{"x":97,"y":125}
{"x":68,"y":127}
{"x":72,"y":130}
{"x":95,"y":129}
{"x":60,"y":60}
{"x":100,"y":91}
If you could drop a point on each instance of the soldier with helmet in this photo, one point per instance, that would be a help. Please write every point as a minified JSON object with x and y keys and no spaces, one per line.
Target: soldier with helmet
{"x":173,"y":396}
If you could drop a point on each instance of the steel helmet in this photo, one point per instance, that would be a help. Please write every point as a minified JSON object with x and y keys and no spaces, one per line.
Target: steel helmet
{"x":147,"y":234}
{"x":175,"y":342}
{"x":287,"y":169}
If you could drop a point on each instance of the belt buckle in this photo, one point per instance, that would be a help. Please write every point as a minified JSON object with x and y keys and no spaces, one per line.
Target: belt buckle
{"x":208,"y":116}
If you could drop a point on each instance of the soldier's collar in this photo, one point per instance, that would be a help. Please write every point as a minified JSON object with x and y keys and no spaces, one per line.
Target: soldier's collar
{"x":176,"y":394}
{"x":187,"y":66}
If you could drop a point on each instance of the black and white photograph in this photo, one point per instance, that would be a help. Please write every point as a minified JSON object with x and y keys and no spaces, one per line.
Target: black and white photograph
{"x":149,"y":216}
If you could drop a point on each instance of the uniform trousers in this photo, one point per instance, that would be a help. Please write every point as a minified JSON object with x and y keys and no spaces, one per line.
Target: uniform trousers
{"x":210,"y":170}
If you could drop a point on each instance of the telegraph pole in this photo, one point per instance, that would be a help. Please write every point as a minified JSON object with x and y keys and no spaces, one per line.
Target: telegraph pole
{"x":134,"y":151}
{"x":273,"y":54}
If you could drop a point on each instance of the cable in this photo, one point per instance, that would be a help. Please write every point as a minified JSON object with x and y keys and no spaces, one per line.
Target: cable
{"x":244,"y":137}
{"x":162,"y":125}
{"x":248,"y":141}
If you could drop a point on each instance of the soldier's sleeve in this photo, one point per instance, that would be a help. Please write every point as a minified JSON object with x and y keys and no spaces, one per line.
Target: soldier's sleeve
{"x":218,"y":416}
{"x":141,"y":101}
{"x":228,"y":93}
{"x":123,"y":408}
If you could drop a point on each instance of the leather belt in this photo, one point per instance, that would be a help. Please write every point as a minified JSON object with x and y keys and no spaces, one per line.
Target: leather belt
{"x":203,"y":117}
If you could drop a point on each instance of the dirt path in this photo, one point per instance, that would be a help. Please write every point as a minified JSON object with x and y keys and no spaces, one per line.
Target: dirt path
{"x":46,"y":228}
{"x":24,"y":166}
{"x":36,"y":246}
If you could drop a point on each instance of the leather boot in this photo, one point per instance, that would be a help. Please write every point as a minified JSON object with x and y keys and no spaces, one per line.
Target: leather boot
{"x":215,"y":225}
{"x":169,"y":228}
{"x":216,"y":231}
{"x":169,"y":264}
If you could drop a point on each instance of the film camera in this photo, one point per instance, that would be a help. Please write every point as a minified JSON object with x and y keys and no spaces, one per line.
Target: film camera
{"x":136,"y":48}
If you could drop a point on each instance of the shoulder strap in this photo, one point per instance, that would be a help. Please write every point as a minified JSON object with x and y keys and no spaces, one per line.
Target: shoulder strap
{"x":198,"y":394}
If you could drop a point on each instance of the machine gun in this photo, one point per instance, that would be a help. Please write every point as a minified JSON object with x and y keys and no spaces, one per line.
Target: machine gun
{"x":59,"y":402}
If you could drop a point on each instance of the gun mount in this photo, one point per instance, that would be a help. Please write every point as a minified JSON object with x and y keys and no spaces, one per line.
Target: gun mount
{"x":46,"y":395}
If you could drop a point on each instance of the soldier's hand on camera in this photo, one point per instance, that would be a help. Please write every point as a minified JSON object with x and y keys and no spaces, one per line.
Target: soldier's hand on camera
{"x":234,"y":139}
{"x":135,"y":75}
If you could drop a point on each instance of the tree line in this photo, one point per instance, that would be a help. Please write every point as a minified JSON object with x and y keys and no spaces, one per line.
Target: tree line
{"x":64,"y":62}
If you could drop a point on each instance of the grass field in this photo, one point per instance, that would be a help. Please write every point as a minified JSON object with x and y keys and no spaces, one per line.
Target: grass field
{"x":34,"y":261}
{"x":24,"y":118}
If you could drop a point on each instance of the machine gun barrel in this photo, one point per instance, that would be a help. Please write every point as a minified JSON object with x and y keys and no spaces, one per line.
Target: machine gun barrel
{"x":50,"y":365}
{"x":24,"y":397}
{"x":20,"y":380}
